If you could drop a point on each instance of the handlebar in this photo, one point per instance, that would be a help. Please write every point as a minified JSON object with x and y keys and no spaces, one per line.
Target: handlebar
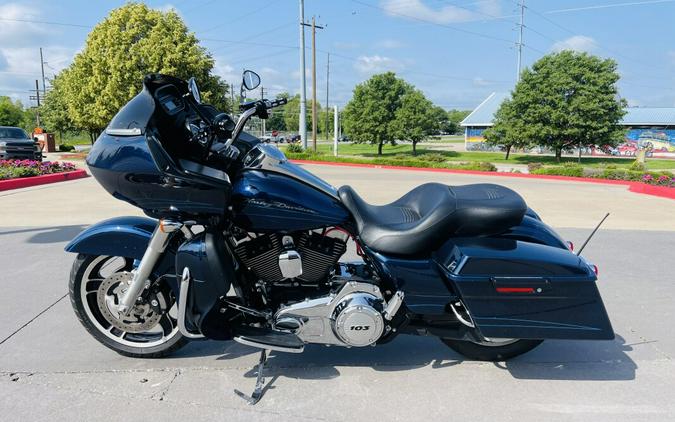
{"x":251,"y":109}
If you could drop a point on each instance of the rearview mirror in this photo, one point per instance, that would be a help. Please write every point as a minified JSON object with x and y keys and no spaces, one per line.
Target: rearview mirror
{"x":194,"y":90}
{"x":250,"y":80}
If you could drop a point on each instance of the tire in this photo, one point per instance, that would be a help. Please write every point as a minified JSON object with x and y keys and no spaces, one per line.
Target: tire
{"x":493,"y":352}
{"x":87,"y":269}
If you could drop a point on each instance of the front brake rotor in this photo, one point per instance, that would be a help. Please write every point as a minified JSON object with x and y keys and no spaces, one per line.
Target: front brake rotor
{"x":142,"y":317}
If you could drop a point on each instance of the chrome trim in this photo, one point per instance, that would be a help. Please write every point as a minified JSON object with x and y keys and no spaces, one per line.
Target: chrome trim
{"x":393,"y":305}
{"x":182,"y":300}
{"x":459,"y":317}
{"x":268,"y":346}
{"x":124,"y":132}
{"x":239,"y":127}
{"x":158,"y":242}
{"x":290,"y":264}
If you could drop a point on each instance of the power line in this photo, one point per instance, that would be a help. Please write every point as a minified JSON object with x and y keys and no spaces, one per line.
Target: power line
{"x":607,"y":6}
{"x":46,"y":23}
{"x":238,"y":18}
{"x":453,"y":28}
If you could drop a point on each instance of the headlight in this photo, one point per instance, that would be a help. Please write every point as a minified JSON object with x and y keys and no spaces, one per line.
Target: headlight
{"x":3,"y":146}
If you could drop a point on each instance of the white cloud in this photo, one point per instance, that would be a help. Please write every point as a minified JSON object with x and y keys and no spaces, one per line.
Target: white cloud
{"x":576,"y":43}
{"x":417,"y":9}
{"x":376,"y":64}
{"x":16,"y":33}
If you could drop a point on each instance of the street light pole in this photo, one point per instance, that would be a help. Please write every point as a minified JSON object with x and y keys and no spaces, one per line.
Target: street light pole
{"x":520,"y":39}
{"x":302,"y":123}
{"x":314,"y":83}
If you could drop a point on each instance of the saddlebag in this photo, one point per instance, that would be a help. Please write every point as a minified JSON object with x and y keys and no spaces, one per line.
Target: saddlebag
{"x":516,"y":289}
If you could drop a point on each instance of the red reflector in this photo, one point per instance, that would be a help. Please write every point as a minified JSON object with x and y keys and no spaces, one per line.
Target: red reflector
{"x":515,"y":289}
{"x":570,"y":245}
{"x":595,"y":269}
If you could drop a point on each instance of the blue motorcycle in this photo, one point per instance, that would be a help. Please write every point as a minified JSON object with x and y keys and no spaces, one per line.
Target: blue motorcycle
{"x":239,"y":243}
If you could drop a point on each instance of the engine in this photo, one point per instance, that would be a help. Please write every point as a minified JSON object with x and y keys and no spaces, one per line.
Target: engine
{"x":305,"y":256}
{"x":356,"y":315}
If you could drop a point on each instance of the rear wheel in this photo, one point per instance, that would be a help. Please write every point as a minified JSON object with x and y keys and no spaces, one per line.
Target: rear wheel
{"x":494,"y":350}
{"x":149,"y":331}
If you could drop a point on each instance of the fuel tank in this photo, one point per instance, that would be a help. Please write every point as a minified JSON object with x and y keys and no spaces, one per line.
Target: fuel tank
{"x":265,"y":201}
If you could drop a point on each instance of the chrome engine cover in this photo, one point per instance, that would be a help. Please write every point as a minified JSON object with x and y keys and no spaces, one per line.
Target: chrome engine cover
{"x":350,"y":317}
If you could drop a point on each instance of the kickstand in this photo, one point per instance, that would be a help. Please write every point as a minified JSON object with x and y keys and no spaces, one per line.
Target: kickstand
{"x":259,"y":382}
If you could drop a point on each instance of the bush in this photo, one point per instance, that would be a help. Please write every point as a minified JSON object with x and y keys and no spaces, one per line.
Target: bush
{"x":637,"y":166}
{"x":433,"y":157}
{"x":574,"y":170}
{"x":534,"y":166}
{"x":482,"y":166}
{"x":66,"y":148}
{"x":295,"y":147}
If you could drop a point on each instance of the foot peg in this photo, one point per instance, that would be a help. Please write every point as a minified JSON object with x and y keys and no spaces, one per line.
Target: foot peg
{"x":259,"y":389}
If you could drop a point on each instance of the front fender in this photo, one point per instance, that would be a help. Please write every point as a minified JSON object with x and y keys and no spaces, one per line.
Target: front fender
{"x":120,"y":236}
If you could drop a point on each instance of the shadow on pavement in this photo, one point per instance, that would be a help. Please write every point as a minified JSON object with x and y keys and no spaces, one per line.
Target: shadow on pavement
{"x":553,"y":360}
{"x":44,"y":235}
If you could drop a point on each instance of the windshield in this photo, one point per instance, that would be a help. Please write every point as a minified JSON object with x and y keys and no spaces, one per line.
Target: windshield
{"x":12,"y":133}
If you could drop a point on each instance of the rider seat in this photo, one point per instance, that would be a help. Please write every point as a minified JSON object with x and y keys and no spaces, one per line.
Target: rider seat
{"x":421,"y":220}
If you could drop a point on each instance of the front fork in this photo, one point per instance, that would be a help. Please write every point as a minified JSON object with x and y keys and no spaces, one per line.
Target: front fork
{"x":158,"y":243}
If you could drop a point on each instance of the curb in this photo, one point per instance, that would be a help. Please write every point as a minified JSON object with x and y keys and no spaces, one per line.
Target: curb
{"x":636,"y":187}
{"x":25,"y":182}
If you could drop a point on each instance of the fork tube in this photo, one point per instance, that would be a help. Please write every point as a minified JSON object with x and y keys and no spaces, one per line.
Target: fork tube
{"x":158,"y":242}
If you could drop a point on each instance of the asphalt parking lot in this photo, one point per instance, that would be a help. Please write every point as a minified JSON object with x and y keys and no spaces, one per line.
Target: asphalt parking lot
{"x":50,"y":369}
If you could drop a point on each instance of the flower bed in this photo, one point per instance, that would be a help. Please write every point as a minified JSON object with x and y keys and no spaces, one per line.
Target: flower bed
{"x":14,"y":169}
{"x":633,"y":174}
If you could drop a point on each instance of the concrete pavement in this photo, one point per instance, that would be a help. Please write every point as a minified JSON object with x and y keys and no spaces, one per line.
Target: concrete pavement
{"x":50,"y":369}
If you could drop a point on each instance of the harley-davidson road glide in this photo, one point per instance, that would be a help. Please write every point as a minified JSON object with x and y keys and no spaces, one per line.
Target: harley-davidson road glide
{"x":242,"y":244}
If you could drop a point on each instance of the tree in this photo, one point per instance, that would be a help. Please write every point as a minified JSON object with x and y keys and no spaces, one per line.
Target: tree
{"x":131,"y":42}
{"x":416,"y":118}
{"x":508,"y":131}
{"x":11,"y":113}
{"x":277,"y":120}
{"x":54,"y":113}
{"x":566,"y":100}
{"x":455,"y":117}
{"x":370,"y":114}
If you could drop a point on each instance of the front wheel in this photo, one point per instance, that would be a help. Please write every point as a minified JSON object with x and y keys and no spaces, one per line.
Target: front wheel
{"x":496,"y":350}
{"x":149,"y":331}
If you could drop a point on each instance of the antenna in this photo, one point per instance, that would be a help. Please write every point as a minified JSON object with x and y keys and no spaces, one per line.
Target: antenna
{"x":592,"y":233}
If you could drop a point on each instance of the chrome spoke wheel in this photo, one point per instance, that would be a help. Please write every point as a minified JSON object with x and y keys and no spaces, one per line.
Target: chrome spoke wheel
{"x":150,"y":323}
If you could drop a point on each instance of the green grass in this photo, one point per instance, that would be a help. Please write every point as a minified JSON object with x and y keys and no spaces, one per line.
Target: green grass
{"x":370,"y":151}
{"x":75,"y":139}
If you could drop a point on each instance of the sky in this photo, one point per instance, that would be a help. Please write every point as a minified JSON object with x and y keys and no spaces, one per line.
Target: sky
{"x":457,"y":51}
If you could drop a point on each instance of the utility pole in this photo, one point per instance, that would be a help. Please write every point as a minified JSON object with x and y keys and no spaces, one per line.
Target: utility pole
{"x":327,"y":90}
{"x":262,"y":121}
{"x":36,"y":97}
{"x":314,"y":28}
{"x":519,"y":45}
{"x":302,"y":124}
{"x":42,"y":65}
